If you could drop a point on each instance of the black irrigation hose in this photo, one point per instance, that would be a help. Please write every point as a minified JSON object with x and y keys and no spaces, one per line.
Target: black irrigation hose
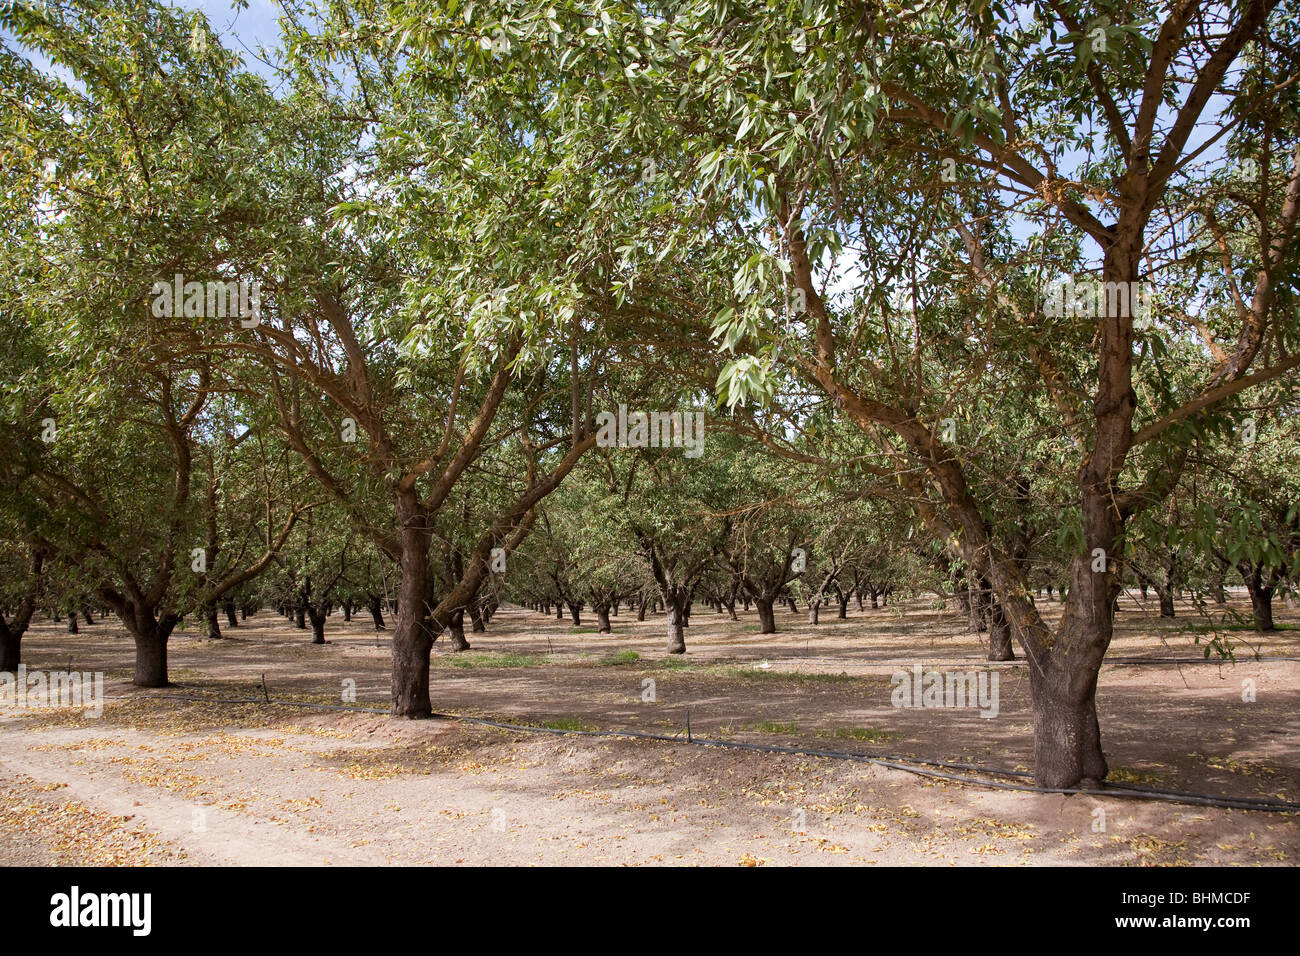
{"x":913,"y":765}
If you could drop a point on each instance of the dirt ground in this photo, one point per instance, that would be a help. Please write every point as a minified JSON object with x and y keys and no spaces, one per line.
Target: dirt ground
{"x":160,"y":781}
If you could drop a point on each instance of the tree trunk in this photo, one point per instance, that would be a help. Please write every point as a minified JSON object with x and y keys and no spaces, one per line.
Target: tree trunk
{"x":794,"y":607}
{"x":150,"y":646}
{"x":476,"y":623}
{"x":1261,"y":600}
{"x":1000,"y":648}
{"x":85,"y":614}
{"x":150,"y":661}
{"x":377,"y":613}
{"x":231,"y":618}
{"x":1166,"y":601}
{"x":72,"y":623}
{"x":214,"y":626}
{"x":347,"y":611}
{"x":11,"y":641}
{"x":602,"y":618}
{"x":317,"y":616}
{"x":559,"y":610}
{"x":456,"y":627}
{"x":412,"y":640}
{"x":300,"y":616}
{"x":813,"y":610}
{"x":1067,"y":739}
{"x":844,"y":607}
{"x":676,"y":635}
{"x":766,"y":616}
{"x":640,"y":608}
{"x":979,"y":608}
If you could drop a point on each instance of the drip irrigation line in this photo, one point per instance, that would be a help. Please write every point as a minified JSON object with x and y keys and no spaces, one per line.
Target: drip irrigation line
{"x":913,"y":765}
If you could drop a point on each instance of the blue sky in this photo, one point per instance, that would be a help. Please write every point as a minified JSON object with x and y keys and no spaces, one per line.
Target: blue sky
{"x":242,"y":30}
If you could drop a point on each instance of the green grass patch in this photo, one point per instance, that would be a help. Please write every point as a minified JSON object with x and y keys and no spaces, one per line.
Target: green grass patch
{"x":622,"y":657}
{"x":491,"y":660}
{"x":594,"y":629}
{"x":773,"y":727}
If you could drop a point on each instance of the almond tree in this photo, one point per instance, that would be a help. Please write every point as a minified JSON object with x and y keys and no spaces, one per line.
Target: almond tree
{"x":909,"y":153}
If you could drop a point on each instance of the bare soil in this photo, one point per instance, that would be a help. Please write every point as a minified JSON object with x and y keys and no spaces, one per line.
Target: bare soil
{"x":161,"y":781}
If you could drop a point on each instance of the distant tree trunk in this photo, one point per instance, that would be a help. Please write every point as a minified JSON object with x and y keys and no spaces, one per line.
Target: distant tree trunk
{"x":151,"y":635}
{"x":231,"y":617}
{"x":814,"y":608}
{"x":1220,"y":593}
{"x":559,"y":610}
{"x":961,"y":591}
{"x":85,"y":613}
{"x":72,"y":623}
{"x":979,"y":600}
{"x":794,"y":607}
{"x":844,"y":607}
{"x":766,"y":615}
{"x":317,"y":615}
{"x":575,"y":613}
{"x":1172,"y":583}
{"x":676,"y":635}
{"x":1000,"y":647}
{"x":214,"y":626}
{"x":640,"y":608}
{"x":347,"y":610}
{"x":456,"y":627}
{"x":1166,"y":599}
{"x":476,"y":622}
{"x":377,"y":613}
{"x":602,"y":618}
{"x":1261,"y":598}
